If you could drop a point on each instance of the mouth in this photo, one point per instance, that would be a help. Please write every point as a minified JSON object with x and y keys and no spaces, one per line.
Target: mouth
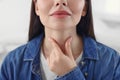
{"x":60,"y":14}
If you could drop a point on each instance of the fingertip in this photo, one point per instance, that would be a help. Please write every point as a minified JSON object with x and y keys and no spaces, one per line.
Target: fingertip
{"x":51,"y":40}
{"x":70,"y":40}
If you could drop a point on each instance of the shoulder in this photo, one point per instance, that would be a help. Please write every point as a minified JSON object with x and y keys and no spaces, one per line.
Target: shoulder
{"x":15,"y":55}
{"x":106,"y":50}
{"x":102,"y":52}
{"x":108,"y":57}
{"x":11,"y":60}
{"x":25,"y":51}
{"x":97,"y":49}
{"x":107,"y":61}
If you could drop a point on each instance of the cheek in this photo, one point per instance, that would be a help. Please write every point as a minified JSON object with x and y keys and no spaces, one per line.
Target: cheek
{"x":77,"y":6}
{"x":44,"y":6}
{"x":44,"y":3}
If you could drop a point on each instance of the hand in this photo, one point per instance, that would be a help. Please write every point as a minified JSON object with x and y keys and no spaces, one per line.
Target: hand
{"x":59,"y":62}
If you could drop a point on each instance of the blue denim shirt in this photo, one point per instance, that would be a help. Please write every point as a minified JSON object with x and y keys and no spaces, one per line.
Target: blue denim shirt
{"x":99,"y":62}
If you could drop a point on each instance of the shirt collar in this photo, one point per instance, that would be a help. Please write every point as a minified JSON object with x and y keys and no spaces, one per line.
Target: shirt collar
{"x":90,"y":48}
{"x":33,"y":48}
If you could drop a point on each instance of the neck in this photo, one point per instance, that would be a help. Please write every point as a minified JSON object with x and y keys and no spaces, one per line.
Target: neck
{"x":61,"y":36}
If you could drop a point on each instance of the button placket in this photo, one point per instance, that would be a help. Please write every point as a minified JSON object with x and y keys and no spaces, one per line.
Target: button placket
{"x":84,"y":68}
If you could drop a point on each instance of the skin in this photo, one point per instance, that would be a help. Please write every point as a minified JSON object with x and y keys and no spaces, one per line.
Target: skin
{"x":61,"y":45}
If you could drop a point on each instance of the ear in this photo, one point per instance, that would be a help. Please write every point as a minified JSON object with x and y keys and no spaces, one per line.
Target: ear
{"x":36,"y":7}
{"x":84,"y":9}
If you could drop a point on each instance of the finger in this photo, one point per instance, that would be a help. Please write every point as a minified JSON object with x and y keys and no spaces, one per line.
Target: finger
{"x":55,"y":45}
{"x":50,"y":58}
{"x":68,"y":48}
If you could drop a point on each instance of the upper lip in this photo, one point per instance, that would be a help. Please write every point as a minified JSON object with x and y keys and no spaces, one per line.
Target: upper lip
{"x":63,"y":12}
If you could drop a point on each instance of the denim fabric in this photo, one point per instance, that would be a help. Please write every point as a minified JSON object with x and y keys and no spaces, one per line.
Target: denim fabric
{"x":98,"y":62}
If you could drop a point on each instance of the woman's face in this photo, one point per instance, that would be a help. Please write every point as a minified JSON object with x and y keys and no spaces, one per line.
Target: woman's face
{"x":60,"y":14}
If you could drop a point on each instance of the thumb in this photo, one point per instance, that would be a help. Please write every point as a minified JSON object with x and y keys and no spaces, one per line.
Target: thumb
{"x":55,"y":46}
{"x":68,"y":48}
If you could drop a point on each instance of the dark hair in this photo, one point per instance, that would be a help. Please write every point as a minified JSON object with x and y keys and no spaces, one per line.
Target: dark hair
{"x":84,"y":27}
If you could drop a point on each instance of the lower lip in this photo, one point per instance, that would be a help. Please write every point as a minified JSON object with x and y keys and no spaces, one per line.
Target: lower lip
{"x":60,"y":16}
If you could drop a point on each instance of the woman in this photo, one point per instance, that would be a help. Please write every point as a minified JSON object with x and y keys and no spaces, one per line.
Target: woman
{"x":61,"y":46}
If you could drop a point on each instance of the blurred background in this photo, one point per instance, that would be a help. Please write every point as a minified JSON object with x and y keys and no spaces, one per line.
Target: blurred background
{"x":14,"y":23}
